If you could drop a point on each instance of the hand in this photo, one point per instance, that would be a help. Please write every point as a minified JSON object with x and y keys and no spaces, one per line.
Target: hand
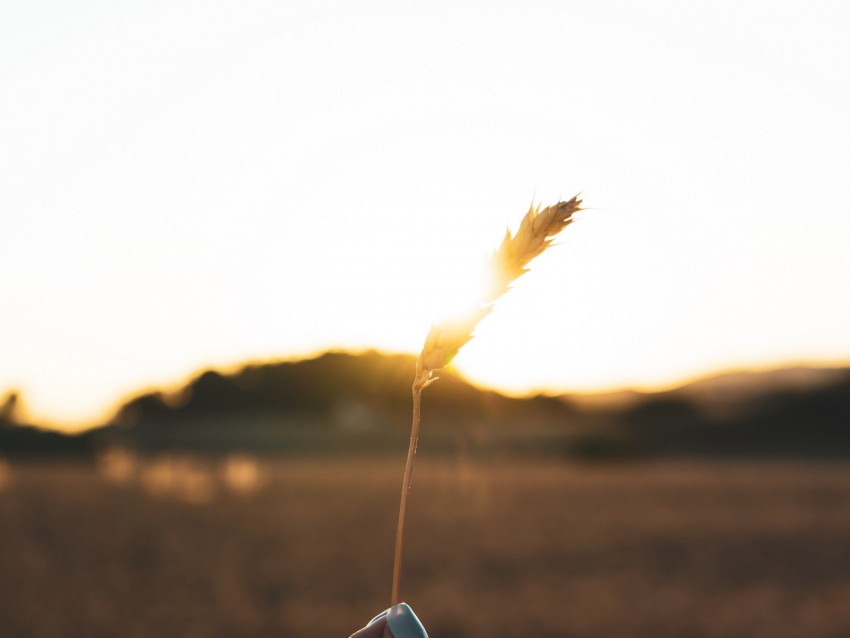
{"x":396,"y":622}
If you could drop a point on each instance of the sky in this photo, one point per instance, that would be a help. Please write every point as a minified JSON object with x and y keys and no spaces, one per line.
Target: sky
{"x":189,"y":184}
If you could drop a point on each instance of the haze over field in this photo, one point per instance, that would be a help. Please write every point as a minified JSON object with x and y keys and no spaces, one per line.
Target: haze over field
{"x":188,"y":184}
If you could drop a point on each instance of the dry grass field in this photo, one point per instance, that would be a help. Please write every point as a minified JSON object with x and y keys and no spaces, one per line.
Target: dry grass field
{"x":500,"y":549}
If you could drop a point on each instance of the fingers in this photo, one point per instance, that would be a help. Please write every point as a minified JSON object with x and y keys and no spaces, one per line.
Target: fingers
{"x":403,"y":623}
{"x":396,"y":622}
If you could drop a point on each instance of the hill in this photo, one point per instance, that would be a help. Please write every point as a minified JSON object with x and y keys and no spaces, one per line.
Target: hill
{"x":794,"y":412}
{"x":343,"y":403}
{"x":337,"y":401}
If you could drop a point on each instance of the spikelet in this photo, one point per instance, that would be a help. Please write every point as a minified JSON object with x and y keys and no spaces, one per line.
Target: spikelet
{"x":508,"y":263}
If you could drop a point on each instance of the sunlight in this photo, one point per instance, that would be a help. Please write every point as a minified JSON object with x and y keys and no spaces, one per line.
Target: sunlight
{"x":183,"y":207}
{"x":452,"y":296}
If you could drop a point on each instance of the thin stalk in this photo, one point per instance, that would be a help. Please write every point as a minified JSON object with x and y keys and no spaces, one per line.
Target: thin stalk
{"x":405,"y":489}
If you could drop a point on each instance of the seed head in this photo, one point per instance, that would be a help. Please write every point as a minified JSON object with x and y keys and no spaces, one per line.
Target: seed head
{"x":535,"y":234}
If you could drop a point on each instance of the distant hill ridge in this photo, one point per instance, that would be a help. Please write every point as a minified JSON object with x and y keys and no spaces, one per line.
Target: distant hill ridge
{"x":321,"y":387}
{"x":361,"y":402}
{"x":723,"y":394}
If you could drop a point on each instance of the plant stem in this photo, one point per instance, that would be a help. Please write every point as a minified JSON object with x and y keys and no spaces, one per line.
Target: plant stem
{"x":405,"y":489}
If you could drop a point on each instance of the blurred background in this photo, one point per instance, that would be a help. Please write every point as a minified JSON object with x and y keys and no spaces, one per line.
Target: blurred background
{"x":226,"y":230}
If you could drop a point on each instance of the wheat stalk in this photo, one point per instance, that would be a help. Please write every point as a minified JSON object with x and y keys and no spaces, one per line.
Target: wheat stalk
{"x":446,"y":338}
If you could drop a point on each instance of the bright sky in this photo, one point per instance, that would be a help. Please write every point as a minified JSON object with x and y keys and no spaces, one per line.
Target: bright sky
{"x":185,"y":184}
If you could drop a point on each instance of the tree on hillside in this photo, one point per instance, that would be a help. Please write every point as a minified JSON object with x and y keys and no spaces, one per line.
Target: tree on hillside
{"x":10,"y":407}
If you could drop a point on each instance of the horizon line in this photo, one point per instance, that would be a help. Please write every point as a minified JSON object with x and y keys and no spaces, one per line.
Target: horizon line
{"x":83,"y":425}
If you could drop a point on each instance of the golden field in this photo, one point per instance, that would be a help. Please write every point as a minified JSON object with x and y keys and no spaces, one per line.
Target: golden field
{"x":238,"y":546}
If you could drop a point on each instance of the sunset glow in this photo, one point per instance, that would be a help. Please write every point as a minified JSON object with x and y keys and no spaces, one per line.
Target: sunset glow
{"x":189,"y":185}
